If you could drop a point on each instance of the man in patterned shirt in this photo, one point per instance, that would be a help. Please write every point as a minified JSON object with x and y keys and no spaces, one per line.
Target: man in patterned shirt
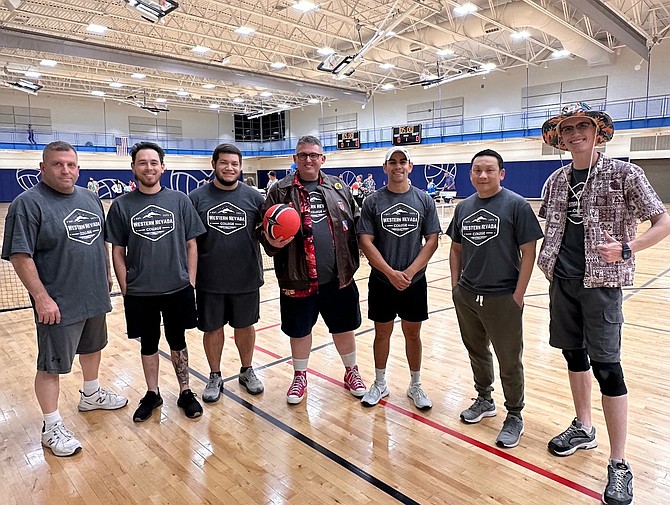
{"x":592,"y":207}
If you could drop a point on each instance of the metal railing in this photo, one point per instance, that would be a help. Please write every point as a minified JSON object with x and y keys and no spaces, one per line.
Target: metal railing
{"x":508,"y":125}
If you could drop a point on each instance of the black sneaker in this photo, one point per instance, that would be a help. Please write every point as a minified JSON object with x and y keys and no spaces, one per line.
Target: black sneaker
{"x":619,"y":489}
{"x":189,"y":404}
{"x":150,"y":402}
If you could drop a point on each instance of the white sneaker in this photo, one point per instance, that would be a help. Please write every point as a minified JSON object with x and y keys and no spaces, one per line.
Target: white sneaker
{"x":102,"y":399}
{"x":60,"y":440}
{"x":416,"y":393}
{"x":376,"y":392}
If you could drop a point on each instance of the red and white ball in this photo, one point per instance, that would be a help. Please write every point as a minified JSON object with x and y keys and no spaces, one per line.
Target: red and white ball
{"x":281,"y":220}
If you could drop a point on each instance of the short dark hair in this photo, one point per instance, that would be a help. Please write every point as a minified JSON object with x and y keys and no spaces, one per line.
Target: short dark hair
{"x":226,"y":149}
{"x":488,"y":152}
{"x":147,"y":145}
{"x":58,"y":145}
{"x":309,"y":139}
{"x":272,"y":173}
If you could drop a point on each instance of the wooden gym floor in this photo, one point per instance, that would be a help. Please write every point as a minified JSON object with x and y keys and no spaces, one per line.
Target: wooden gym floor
{"x":331,"y":449}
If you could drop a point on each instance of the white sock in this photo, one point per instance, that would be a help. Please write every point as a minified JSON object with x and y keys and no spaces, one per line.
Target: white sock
{"x":349,"y":360}
{"x":91,"y":387}
{"x":300,"y":365}
{"x":51,"y":419}
{"x":416,"y":376}
{"x":380,"y":375}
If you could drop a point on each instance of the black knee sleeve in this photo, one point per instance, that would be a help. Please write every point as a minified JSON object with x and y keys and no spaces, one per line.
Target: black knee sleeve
{"x":610,"y":378}
{"x":578,"y":360}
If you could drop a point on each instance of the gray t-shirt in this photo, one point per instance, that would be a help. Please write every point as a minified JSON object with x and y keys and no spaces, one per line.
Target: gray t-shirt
{"x":398,"y":222}
{"x":324,"y":247}
{"x":229,"y":256}
{"x":64,"y":236}
{"x":154,"y":230}
{"x":490,"y":231}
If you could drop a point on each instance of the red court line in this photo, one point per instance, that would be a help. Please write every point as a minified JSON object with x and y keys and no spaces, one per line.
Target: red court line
{"x":460,"y":436}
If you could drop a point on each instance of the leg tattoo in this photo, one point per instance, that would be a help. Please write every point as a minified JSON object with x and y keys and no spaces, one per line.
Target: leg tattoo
{"x":180,"y":363}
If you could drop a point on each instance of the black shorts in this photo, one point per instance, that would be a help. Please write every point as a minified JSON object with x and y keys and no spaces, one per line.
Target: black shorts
{"x":215,"y":310}
{"x":143,"y":318}
{"x":385,"y":302}
{"x":590,"y":318}
{"x":338,"y":307}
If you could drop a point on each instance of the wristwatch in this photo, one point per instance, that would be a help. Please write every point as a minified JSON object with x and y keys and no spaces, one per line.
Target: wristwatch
{"x":626,"y":253}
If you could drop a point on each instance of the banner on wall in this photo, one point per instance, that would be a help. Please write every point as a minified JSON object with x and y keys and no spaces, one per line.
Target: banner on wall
{"x":122,"y":146}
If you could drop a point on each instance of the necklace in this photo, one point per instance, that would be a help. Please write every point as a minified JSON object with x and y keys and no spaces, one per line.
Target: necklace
{"x":577,"y":195}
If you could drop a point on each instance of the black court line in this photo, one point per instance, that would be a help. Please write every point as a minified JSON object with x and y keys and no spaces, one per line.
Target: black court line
{"x":335,"y":458}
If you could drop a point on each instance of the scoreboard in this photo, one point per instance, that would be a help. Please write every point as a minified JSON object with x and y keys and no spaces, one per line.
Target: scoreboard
{"x":349,"y":140}
{"x":409,"y":134}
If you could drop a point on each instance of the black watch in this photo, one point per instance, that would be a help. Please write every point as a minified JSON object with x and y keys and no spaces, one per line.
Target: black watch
{"x":626,"y":253}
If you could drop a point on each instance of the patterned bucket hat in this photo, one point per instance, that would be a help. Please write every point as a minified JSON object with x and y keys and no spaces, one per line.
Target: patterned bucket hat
{"x":550,"y":132}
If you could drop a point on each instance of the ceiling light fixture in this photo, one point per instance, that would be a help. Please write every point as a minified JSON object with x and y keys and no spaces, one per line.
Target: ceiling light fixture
{"x":115,"y":84}
{"x":278,"y":65}
{"x":386,"y":66}
{"x":313,"y":100}
{"x":200,"y":49}
{"x":245,"y":30}
{"x":266,"y":94}
{"x":387,"y":86}
{"x":465,"y":9}
{"x":208,"y":86}
{"x":31,"y":74}
{"x":97,"y":92}
{"x":238,"y":99}
{"x":48,"y":63}
{"x":97,"y":29}
{"x":305,"y":6}
{"x":214,"y":106}
{"x":445,"y":52}
{"x":522,"y":35}
{"x":561,"y":53}
{"x":181,"y":92}
{"x":160,"y":100}
{"x":325,"y":51}
{"x":138,"y":76}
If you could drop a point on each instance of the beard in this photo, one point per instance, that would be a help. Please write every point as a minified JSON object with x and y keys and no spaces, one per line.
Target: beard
{"x":226,"y":183}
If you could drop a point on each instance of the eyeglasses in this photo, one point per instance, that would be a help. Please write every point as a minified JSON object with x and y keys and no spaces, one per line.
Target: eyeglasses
{"x":580,"y":127}
{"x":311,"y":156}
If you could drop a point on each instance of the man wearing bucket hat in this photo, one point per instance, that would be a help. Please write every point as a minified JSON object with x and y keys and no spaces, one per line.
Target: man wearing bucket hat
{"x":591,"y":207}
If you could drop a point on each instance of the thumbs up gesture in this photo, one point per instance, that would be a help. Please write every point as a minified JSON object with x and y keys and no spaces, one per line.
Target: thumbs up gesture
{"x":610,"y":250}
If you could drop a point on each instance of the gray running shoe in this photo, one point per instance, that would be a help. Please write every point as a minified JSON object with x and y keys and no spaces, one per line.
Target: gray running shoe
{"x":416,"y":393}
{"x":376,"y":392}
{"x":249,"y":380}
{"x":619,"y":489}
{"x":572,"y":439}
{"x":213,"y":389}
{"x":511,"y":432}
{"x":479,"y":409}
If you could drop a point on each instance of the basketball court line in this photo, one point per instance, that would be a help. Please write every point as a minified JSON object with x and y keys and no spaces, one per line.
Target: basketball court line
{"x":412,"y":415}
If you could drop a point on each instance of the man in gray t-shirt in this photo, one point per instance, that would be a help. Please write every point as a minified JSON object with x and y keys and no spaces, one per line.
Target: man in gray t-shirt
{"x":54,"y":239}
{"x":231,"y":213}
{"x":153,"y":234}
{"x":493,"y":235}
{"x":395,"y":222}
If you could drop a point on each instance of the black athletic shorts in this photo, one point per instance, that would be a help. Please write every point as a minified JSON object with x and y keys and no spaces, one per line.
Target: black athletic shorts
{"x":385,"y":302}
{"x":215,"y":310}
{"x":143,"y":318}
{"x":338,"y":307}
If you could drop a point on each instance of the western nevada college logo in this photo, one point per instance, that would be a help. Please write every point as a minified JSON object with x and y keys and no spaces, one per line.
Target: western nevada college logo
{"x":226,"y":218}
{"x":400,"y":219}
{"x":152,"y":223}
{"x":83,"y":226}
{"x":480,"y":227}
